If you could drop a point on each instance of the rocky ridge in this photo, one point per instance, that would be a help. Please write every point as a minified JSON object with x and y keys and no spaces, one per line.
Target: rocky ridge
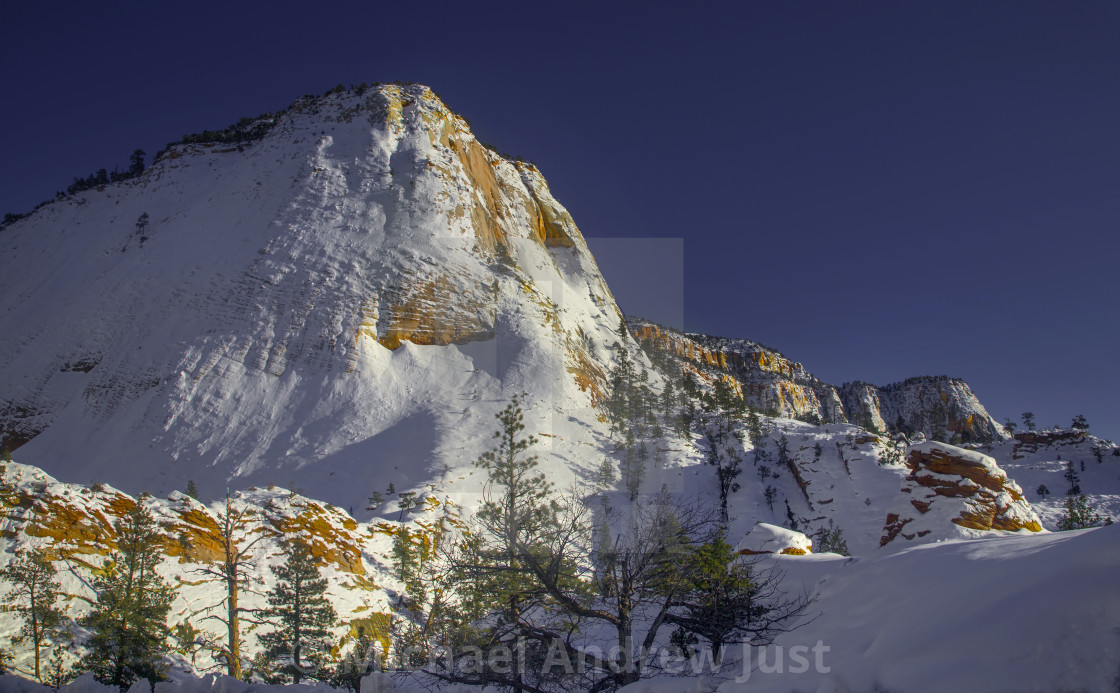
{"x":936,"y":406}
{"x":74,"y":526}
{"x":962,"y":486}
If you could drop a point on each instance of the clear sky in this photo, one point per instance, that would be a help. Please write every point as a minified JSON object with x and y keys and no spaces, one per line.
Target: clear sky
{"x":878,"y":190}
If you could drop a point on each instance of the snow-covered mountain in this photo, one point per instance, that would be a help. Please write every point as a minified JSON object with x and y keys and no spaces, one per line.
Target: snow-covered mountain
{"x":352,"y":296}
{"x":341,"y":303}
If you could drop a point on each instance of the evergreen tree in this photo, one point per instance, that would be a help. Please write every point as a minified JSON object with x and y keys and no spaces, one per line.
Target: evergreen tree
{"x":1079,"y":423}
{"x":129,"y":620}
{"x":771,"y":493}
{"x":192,"y":490}
{"x":521,"y":506}
{"x":375,"y":501}
{"x":754,"y":427}
{"x":783,"y":451}
{"x":728,"y":466}
{"x":1073,"y":479}
{"x":301,"y":614}
{"x":668,"y":400}
{"x":57,"y":673}
{"x":1080,"y":515}
{"x":1028,"y":420}
{"x":604,"y":478}
{"x":406,"y":501}
{"x":358,"y":662}
{"x":621,"y":399}
{"x":1042,"y":491}
{"x":136,"y":163}
{"x":33,"y":596}
{"x":831,"y":540}
{"x":408,"y":562}
{"x":685,"y":420}
{"x":524,"y":584}
{"x":635,"y":467}
{"x":725,"y":600}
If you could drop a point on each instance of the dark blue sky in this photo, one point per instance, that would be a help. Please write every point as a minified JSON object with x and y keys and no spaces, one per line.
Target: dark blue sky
{"x":878,"y":190}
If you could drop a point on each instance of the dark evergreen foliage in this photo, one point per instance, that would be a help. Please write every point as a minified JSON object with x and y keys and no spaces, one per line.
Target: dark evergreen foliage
{"x":129,"y":620}
{"x":33,"y":596}
{"x":301,"y":615}
{"x":1080,"y":515}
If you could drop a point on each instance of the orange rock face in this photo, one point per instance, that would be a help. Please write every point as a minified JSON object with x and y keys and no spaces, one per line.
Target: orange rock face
{"x":960,"y":486}
{"x":1031,"y":441}
{"x":78,"y":521}
{"x":434,"y":311}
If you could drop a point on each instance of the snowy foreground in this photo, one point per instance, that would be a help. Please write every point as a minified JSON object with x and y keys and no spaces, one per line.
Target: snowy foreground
{"x":1014,"y":613}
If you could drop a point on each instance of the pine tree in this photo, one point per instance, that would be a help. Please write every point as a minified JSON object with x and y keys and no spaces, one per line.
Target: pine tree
{"x":136,"y":163}
{"x":376,"y":500}
{"x":1028,"y":420}
{"x":129,"y":620}
{"x":298,"y":607}
{"x":754,"y":427}
{"x":604,"y":477}
{"x":406,"y":501}
{"x":728,"y":468}
{"x":192,"y":490}
{"x":727,"y":601}
{"x":522,"y":505}
{"x":1079,"y":423}
{"x":407,"y":559}
{"x":635,"y":467}
{"x":142,"y":226}
{"x":58,"y":674}
{"x":831,"y":540}
{"x":1073,"y":479}
{"x":33,"y":595}
{"x":770,"y":494}
{"x":1080,"y":515}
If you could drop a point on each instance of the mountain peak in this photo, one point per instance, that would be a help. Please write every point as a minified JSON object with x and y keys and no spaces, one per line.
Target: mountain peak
{"x":227,"y":307}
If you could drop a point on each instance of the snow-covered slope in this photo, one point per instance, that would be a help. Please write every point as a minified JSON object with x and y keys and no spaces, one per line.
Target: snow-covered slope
{"x":353,"y":296}
{"x":1042,"y":460}
{"x":342,"y":306}
{"x":1032,"y":614}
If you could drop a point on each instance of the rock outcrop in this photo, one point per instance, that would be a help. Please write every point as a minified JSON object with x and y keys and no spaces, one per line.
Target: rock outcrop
{"x":941,"y":407}
{"x":949,"y":486}
{"x":768,"y":380}
{"x":768,"y":538}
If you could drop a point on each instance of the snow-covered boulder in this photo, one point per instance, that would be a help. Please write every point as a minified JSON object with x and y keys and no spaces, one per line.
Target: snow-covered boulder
{"x":953,"y":492}
{"x":767,"y":538}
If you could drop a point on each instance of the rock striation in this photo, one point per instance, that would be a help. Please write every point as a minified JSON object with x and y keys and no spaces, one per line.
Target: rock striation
{"x":947,"y":484}
{"x":937,"y":406}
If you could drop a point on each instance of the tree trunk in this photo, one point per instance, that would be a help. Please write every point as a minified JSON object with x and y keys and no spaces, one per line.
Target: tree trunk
{"x":234,"y":663}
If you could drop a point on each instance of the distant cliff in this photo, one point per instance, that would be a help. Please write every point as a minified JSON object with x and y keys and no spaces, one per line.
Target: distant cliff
{"x":940,"y":407}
